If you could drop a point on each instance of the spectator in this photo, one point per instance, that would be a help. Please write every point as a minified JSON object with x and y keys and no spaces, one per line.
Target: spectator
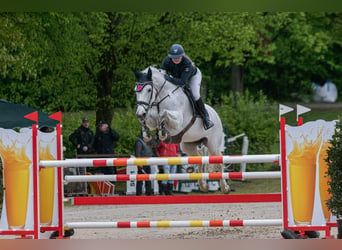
{"x":105,"y":139}
{"x":168,"y":150}
{"x":141,"y":149}
{"x":83,"y":138}
{"x":46,"y":129}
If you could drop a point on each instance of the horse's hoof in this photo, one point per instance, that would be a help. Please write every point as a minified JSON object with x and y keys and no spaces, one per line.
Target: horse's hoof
{"x":203,"y":187}
{"x":226,"y":190}
{"x":162,"y":138}
{"x":147,"y":138}
{"x":163,"y":135}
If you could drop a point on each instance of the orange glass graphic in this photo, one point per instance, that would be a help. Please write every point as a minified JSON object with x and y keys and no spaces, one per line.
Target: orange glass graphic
{"x":302,"y":169}
{"x":323,"y":179}
{"x":16,"y":181}
{"x":46,"y":187}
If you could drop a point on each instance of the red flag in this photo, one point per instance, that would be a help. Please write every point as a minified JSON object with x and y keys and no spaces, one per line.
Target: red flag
{"x":57,"y":116}
{"x":32,"y":116}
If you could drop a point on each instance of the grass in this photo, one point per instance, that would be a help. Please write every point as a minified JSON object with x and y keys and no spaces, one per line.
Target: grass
{"x":256,"y":186}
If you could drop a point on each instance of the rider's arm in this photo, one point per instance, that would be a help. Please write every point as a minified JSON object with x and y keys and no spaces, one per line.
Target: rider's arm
{"x":174,"y":80}
{"x":187,"y":71}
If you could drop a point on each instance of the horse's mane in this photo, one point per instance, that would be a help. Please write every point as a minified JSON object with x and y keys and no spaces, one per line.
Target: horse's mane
{"x":157,"y":73}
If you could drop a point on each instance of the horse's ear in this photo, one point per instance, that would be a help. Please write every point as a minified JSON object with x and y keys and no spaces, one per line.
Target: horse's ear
{"x":149,"y":74}
{"x":137,"y":73}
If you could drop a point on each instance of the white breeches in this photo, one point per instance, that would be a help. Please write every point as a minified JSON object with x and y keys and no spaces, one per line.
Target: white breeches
{"x":195,"y":84}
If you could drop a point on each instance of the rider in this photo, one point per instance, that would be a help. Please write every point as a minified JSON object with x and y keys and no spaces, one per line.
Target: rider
{"x":183,"y":70}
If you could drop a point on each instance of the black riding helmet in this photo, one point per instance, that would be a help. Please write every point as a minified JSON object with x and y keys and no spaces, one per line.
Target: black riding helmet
{"x":176,"y":51}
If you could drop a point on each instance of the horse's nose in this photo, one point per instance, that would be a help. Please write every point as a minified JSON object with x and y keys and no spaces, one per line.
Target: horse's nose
{"x":140,"y":114}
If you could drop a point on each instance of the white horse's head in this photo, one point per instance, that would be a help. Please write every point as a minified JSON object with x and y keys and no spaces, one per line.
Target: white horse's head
{"x":147,"y":88}
{"x":144,"y":92}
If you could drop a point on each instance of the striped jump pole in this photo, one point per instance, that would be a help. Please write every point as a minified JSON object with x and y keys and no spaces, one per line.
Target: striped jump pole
{"x":266,"y":158}
{"x":185,"y":223}
{"x":183,"y":176}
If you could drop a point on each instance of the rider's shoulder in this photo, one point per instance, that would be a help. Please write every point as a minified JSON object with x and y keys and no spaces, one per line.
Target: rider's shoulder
{"x":167,"y":59}
{"x":166,"y":62}
{"x":187,"y":61}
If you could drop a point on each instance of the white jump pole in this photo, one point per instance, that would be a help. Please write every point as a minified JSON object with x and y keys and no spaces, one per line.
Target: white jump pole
{"x":266,"y":158}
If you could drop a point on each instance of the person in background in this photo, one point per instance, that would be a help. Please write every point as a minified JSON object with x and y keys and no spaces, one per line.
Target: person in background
{"x":168,"y":150}
{"x":83,"y":138}
{"x":104,"y":143}
{"x":46,"y":129}
{"x":141,"y":149}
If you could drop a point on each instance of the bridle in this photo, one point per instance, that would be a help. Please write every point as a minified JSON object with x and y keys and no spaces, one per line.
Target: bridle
{"x":139,"y":86}
{"x":147,"y":105}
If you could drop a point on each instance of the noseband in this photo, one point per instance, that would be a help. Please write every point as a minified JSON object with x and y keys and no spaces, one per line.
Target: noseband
{"x":139,"y":86}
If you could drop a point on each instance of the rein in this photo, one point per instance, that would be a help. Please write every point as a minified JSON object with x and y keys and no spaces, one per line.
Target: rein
{"x":150,"y":104}
{"x":161,"y":100}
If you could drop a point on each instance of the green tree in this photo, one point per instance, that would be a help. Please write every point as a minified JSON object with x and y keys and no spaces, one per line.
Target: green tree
{"x":303,"y":53}
{"x":334,"y":173}
{"x":43,"y":60}
{"x":83,"y":61}
{"x":119,"y":46}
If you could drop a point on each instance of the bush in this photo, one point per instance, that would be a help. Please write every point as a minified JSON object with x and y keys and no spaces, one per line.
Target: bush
{"x":256,"y":117}
{"x":127,"y":125}
{"x":124,"y":122}
{"x":1,"y":185}
{"x":334,"y":161}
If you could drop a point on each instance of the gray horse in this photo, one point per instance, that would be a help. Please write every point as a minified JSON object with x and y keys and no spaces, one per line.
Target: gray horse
{"x":165,"y":107}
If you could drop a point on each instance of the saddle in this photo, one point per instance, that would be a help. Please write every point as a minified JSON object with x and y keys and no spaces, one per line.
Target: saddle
{"x":188,"y":94}
{"x":178,"y":138}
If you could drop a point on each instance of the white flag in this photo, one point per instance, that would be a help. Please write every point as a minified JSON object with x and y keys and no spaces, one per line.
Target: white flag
{"x":301,"y":110}
{"x":284,"y":109}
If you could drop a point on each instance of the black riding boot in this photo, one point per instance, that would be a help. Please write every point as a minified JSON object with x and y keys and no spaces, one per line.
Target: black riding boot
{"x":204,"y":114}
{"x":169,"y":189}
{"x":164,"y":189}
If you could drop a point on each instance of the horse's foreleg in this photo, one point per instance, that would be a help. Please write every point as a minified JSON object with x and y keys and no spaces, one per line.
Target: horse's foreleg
{"x":145,"y":132}
{"x":173,"y":120}
{"x":163,"y":134}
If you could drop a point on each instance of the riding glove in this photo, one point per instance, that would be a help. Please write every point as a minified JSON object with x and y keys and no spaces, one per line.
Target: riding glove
{"x":176,"y":81}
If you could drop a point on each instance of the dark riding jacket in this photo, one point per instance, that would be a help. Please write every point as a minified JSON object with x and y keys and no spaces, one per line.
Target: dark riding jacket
{"x":83,"y":136}
{"x":105,"y":141}
{"x":182,"y":72}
